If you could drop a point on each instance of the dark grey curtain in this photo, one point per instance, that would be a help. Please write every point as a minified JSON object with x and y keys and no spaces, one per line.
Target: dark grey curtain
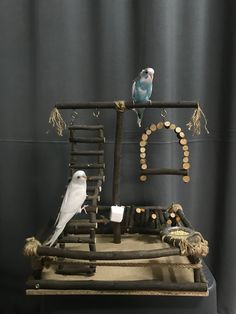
{"x":59,"y":51}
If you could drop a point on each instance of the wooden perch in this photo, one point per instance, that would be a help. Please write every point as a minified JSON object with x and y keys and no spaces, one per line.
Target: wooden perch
{"x":129,"y":105}
{"x":112,"y":255}
{"x":180,"y":172}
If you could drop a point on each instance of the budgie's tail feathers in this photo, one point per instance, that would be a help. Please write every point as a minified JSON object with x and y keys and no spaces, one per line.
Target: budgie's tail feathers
{"x":54,"y":237}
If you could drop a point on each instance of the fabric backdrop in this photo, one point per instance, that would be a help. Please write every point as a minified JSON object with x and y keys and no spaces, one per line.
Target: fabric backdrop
{"x":67,"y":51}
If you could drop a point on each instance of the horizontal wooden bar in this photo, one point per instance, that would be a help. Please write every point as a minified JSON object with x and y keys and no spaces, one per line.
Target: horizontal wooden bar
{"x":77,"y":270}
{"x":129,"y":105}
{"x":96,"y":178}
{"x":87,"y":152}
{"x":112,"y":255}
{"x":180,"y":172}
{"x":75,"y":239}
{"x":92,"y":188}
{"x":77,"y":230}
{"x":86,"y":127}
{"x":87,"y":166}
{"x":93,"y":197}
{"x":82,"y":223}
{"x":115,"y":285}
{"x":87,"y":139}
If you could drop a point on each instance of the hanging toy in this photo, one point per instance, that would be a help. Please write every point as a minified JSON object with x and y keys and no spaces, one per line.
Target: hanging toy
{"x":182,"y":141}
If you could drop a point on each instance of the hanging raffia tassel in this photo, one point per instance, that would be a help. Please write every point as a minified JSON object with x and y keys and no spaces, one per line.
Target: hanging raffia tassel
{"x":195,"y":122}
{"x":57,"y":121}
{"x":31,"y":245}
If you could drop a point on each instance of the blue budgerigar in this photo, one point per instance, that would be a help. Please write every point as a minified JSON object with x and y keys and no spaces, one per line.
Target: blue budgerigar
{"x":142,"y":90}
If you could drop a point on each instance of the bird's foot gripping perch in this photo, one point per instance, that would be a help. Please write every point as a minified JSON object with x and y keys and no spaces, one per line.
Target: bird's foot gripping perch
{"x":84,"y":209}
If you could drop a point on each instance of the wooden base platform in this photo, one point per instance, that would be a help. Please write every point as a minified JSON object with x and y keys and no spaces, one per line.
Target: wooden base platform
{"x":171,"y":276}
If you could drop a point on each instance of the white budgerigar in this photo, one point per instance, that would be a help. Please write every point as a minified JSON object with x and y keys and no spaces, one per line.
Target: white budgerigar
{"x":71,"y":205}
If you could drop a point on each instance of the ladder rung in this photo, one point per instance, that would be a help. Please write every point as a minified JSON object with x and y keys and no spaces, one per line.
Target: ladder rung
{"x":86,"y":127}
{"x":87,"y":139}
{"x":87,"y":152}
{"x":96,"y":178}
{"x":93,"y":197}
{"x":82,"y":224}
{"x":87,"y":166}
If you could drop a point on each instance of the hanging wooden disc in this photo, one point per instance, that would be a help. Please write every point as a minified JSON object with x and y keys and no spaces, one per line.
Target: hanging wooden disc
{"x":153,"y":127}
{"x":186,"y":179}
{"x":143,"y":143}
{"x":144,"y":136}
{"x":148,"y":132}
{"x":177,"y":129}
{"x":181,"y":134}
{"x":143,"y":178}
{"x":160,"y":125}
{"x":167,"y":124}
{"x":142,"y":161}
{"x":183,"y":141}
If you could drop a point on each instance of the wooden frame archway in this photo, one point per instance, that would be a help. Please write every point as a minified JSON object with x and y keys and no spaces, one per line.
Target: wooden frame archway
{"x":145,"y":171}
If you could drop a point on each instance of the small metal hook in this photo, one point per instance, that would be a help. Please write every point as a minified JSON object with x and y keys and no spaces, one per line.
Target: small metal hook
{"x":163,"y":113}
{"x":73,"y":117}
{"x":97,"y":113}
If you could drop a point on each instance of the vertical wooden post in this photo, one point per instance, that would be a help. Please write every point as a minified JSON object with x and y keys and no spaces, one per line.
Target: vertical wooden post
{"x":117,"y":170}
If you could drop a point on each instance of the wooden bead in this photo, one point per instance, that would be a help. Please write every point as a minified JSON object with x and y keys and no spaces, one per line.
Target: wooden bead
{"x":160,"y":125}
{"x":154,"y":216}
{"x":169,"y":222}
{"x":148,"y":132}
{"x":172,"y":126}
{"x":185,"y":147}
{"x":144,"y":166}
{"x":183,"y":141}
{"x":142,"y":149}
{"x":186,"y":165}
{"x":167,"y":124}
{"x":185,"y":159}
{"x":172,"y":215}
{"x":142,"y":143}
{"x":143,"y":178}
{"x":153,"y":127}
{"x":138,"y":210}
{"x":144,"y":136}
{"x":142,"y":161}
{"x":177,"y":129}
{"x":186,"y":179}
{"x":143,"y":155}
{"x":186,"y":153}
{"x":181,"y":134}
